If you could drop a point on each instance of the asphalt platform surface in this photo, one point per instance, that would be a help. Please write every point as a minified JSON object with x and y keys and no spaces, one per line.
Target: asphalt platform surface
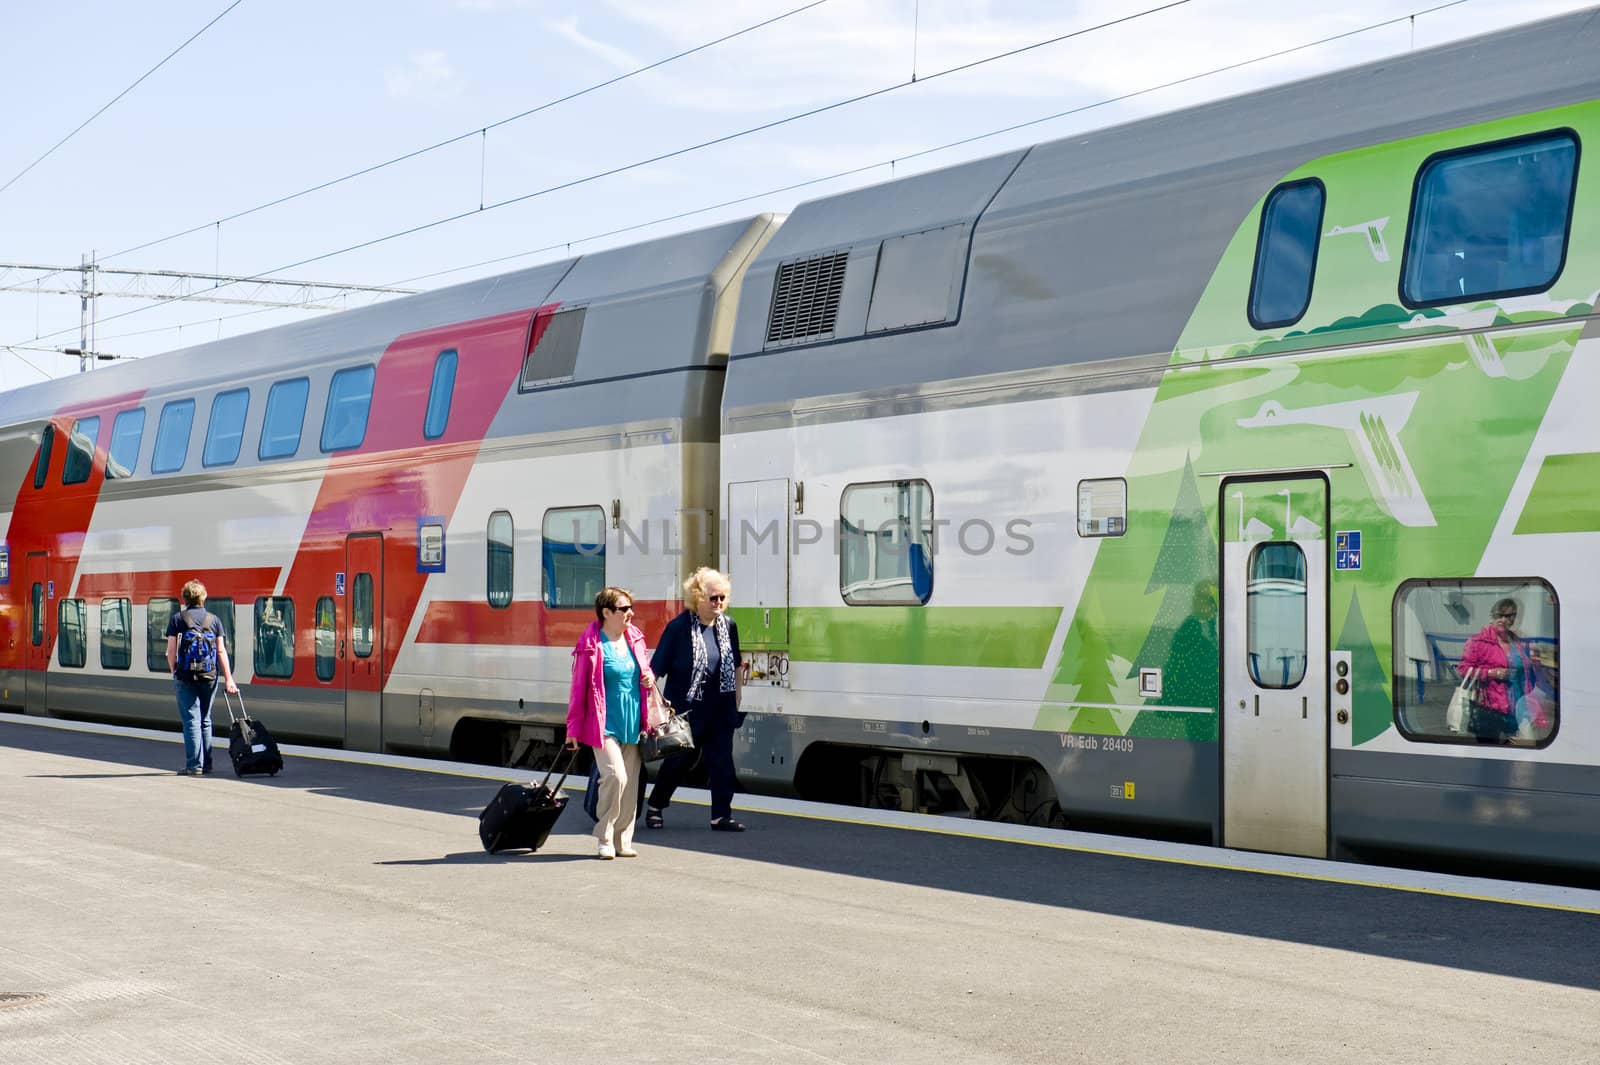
{"x":344,"y":913}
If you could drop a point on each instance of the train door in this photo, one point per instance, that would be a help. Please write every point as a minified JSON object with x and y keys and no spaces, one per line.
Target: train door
{"x":363,"y":664}
{"x":758,"y":560}
{"x":36,"y":658}
{"x":1274,"y":665}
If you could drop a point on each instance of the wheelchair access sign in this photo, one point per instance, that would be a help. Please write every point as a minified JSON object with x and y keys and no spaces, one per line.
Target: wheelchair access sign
{"x":1347,"y":549}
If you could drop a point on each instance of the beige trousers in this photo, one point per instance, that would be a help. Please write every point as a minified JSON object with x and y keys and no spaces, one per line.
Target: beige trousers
{"x":621,"y":766}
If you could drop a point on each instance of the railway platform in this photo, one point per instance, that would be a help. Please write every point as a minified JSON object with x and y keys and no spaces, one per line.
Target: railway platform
{"x":344,"y":912}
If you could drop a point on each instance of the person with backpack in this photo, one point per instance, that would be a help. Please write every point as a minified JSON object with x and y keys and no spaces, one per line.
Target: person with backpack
{"x":196,"y":651}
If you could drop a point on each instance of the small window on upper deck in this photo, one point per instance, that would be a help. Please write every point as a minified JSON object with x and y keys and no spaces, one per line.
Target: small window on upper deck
{"x":226,"y":430}
{"x":80,"y":451}
{"x":127,"y":432}
{"x":552,"y":349}
{"x":1286,"y":254}
{"x":344,"y":421}
{"x":439,"y":396}
{"x":41,"y":469}
{"x":1490,"y":220}
{"x":172,"y":436}
{"x":286,"y":413}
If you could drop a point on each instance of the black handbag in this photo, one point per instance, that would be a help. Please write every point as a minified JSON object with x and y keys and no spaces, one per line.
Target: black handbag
{"x":671,"y":736}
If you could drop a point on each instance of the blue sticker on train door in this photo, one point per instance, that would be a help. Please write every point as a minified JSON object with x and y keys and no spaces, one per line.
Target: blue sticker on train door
{"x":1347,"y":549}
{"x":338,"y":583}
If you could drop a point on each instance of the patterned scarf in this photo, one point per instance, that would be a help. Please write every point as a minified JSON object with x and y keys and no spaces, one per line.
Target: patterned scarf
{"x":697,"y":677}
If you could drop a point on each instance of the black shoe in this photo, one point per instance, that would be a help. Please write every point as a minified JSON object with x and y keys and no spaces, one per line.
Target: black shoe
{"x":726,"y":824}
{"x":653,"y":819}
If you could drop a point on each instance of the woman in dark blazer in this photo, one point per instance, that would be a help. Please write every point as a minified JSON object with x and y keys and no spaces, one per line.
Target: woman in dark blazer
{"x":697,"y":663}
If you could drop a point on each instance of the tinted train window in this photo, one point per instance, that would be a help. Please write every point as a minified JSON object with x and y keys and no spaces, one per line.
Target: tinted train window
{"x":1505,"y":634}
{"x":41,"y":469}
{"x":127,"y":432}
{"x":344,"y":421}
{"x":37,"y":614}
{"x":361,"y":619}
{"x":1286,"y":254}
{"x":80,"y":451}
{"x":172,"y":436}
{"x":274,"y":636}
{"x":226,"y":430}
{"x":116,"y":633}
{"x":439,"y":395}
{"x":1275,"y":615}
{"x":886,"y":543}
{"x":1490,"y":220}
{"x":501,"y":558}
{"x":158,"y":614}
{"x":286,"y":413}
{"x":71,"y":646}
{"x":223,"y":608}
{"x":573,"y":556}
{"x":325,"y":638}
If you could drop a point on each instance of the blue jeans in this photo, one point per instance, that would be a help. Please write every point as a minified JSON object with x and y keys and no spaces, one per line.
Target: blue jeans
{"x":194,"y":709}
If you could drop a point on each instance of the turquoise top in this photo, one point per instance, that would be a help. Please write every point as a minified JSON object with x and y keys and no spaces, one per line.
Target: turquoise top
{"x":1514,"y":668}
{"x":622,"y":691}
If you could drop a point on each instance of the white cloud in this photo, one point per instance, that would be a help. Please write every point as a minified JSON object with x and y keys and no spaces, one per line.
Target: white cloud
{"x":428,"y":76}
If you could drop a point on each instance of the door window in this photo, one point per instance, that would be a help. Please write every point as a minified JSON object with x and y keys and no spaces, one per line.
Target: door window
{"x":324,"y":648}
{"x":38,"y":614}
{"x":158,"y":614}
{"x":1275,"y":615}
{"x":361,"y":616}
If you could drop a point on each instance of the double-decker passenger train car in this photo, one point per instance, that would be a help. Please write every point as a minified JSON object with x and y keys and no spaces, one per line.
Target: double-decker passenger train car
{"x":1172,"y":478}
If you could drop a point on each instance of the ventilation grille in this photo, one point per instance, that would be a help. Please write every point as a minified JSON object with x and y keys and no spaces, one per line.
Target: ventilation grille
{"x":805,"y":298}
{"x":554,"y":355}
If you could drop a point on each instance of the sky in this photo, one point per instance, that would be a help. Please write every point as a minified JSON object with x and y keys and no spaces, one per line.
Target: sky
{"x":280,"y":96}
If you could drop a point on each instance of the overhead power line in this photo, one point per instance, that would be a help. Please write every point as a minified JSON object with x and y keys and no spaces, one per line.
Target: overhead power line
{"x":675,"y":153}
{"x":866,"y":167}
{"x":171,"y":285}
{"x":119,"y":96}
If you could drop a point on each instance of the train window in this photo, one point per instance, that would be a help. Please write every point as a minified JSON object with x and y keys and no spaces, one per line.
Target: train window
{"x":80,"y":450}
{"x":886,"y":543}
{"x":71,"y":646}
{"x":172,"y":436}
{"x":361,"y":616}
{"x":127,"y":432}
{"x":344,"y":420}
{"x":325,"y":638}
{"x":37,"y":614}
{"x":439,"y":395}
{"x":573,"y":556}
{"x":1491,"y":220}
{"x":1103,"y":507}
{"x":225,"y":432}
{"x":286,"y":414}
{"x":502,"y":556}
{"x":223,"y":608}
{"x":41,"y":467}
{"x":1275,"y":615}
{"x":274,"y":636}
{"x":1505,"y":634}
{"x":552,"y":349}
{"x":158,"y":614}
{"x":116,"y":633}
{"x":1286,"y":254}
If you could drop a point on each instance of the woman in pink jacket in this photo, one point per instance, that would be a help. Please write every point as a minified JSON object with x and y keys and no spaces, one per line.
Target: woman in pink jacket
{"x":1505,"y":665}
{"x":608,"y":710}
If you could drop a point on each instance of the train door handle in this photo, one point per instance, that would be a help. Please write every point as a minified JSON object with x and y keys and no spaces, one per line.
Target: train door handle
{"x":341,"y":648}
{"x":1258,"y":704}
{"x":1304,"y":709}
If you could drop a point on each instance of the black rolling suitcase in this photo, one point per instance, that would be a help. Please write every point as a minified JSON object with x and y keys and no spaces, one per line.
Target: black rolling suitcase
{"x":520,"y":816}
{"x":250,"y":745}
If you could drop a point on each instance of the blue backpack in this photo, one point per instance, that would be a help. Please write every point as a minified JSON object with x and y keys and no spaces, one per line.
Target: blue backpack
{"x":197,"y":648}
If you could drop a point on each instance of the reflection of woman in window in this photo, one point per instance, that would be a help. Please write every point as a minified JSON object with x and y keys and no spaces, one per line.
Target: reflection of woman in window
{"x":1505,"y":665}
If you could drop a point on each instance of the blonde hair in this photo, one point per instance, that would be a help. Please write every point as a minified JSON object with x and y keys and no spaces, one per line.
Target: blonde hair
{"x":694,"y":589}
{"x":194,"y":594}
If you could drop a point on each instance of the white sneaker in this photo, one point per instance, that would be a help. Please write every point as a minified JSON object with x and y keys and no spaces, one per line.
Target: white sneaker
{"x":606,"y":852}
{"x":627,"y":852}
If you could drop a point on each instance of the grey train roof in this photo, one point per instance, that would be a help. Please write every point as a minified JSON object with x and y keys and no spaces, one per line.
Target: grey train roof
{"x":650,"y":309}
{"x":1099,"y":246}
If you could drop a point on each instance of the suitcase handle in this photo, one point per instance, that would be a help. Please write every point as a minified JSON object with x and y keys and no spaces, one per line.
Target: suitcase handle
{"x":571,"y":760}
{"x":227,"y":704}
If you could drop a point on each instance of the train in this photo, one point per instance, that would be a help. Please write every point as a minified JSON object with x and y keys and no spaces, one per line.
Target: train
{"x":1157,"y":479}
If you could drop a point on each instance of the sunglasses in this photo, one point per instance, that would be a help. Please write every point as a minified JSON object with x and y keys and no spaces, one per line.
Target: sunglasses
{"x":717,"y":598}
{"x":625,"y":608}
